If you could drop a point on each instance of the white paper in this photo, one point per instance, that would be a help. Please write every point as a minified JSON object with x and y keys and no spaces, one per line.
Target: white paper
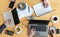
{"x":40,"y":10}
{"x":8,"y":15}
{"x":25,"y":13}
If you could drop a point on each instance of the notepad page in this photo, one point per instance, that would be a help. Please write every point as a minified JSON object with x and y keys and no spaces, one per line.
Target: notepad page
{"x":8,"y":15}
{"x":40,"y":10}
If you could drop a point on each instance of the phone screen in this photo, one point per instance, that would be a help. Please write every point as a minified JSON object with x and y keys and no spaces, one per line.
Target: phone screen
{"x":11,"y":5}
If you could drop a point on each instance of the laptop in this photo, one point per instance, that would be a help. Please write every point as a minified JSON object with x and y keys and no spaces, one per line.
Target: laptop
{"x":13,"y":16}
{"x":41,"y":27}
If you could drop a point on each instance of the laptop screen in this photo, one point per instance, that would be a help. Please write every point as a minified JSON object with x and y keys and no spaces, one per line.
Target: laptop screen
{"x":44,"y":22}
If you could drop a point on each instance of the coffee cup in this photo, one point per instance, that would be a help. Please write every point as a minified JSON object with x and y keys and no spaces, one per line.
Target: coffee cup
{"x":21,"y":6}
{"x":55,"y":19}
{"x":18,"y":29}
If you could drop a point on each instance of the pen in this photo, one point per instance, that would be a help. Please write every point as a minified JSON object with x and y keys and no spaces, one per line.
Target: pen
{"x":28,"y":9}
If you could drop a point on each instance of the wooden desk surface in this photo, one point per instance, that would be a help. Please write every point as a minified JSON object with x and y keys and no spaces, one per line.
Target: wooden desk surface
{"x":4,"y":7}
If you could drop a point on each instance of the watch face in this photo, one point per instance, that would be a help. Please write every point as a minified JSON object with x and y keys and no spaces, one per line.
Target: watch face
{"x":21,"y":5}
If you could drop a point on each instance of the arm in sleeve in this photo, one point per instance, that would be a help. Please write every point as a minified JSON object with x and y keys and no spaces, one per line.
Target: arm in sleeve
{"x":2,"y":27}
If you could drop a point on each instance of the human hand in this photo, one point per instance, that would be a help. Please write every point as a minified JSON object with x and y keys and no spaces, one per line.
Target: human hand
{"x":32,"y":32}
{"x":45,"y":4}
{"x":13,"y":0}
{"x":7,"y":22}
{"x":53,"y":33}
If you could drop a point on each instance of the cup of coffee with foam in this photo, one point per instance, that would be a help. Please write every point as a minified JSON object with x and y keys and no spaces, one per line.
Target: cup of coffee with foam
{"x":21,"y":6}
{"x":18,"y":29}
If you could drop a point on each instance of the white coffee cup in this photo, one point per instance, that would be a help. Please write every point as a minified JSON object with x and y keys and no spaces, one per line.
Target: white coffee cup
{"x":18,"y":29}
{"x":54,"y":19}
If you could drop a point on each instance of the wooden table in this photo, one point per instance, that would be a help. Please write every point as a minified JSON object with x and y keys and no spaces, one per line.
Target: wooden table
{"x":4,"y":8}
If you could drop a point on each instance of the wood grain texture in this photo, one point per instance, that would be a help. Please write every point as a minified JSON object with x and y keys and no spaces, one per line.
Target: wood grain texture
{"x":4,"y":7}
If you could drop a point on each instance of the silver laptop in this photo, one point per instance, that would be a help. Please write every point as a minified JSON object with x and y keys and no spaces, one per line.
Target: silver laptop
{"x":41,"y":27}
{"x":12,"y":15}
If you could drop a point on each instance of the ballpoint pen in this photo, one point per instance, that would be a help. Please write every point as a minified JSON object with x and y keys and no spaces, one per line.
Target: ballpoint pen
{"x":28,"y":9}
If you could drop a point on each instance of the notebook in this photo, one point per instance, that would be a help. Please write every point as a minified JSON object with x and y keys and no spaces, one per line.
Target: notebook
{"x":40,"y":10}
{"x":12,"y":15}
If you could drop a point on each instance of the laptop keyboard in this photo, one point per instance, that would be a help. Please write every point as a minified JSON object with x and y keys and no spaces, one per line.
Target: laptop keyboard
{"x":39,"y":28}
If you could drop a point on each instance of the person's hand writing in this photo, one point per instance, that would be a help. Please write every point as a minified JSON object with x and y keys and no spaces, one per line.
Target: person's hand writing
{"x":7,"y":22}
{"x":53,"y":33}
{"x":45,"y":4}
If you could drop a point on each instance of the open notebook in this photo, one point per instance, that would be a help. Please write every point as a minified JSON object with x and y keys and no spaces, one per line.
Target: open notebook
{"x":40,"y":10}
{"x":12,"y":15}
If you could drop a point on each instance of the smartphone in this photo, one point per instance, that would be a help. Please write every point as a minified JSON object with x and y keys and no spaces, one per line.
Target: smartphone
{"x":8,"y":32}
{"x":57,"y":31}
{"x":11,"y":5}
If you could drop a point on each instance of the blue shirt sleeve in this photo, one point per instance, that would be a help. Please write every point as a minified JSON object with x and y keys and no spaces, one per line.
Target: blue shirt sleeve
{"x":2,"y":27}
